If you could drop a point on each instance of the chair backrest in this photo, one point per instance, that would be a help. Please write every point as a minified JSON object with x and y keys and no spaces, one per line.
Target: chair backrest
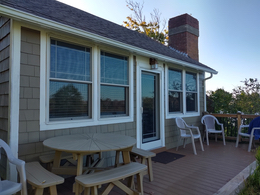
{"x":20,"y":165}
{"x":254,"y":123}
{"x":209,"y":121}
{"x":7,"y":149}
{"x":181,"y":125}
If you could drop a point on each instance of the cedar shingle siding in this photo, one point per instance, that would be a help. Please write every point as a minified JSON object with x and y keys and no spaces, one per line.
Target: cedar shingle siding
{"x":4,"y":84}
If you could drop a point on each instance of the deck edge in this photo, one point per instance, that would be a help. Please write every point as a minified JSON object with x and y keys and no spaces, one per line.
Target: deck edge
{"x":238,"y":182}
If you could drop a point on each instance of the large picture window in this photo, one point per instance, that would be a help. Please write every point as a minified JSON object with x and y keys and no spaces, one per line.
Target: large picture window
{"x":191,"y":92}
{"x":69,"y":82}
{"x":114,"y":89}
{"x":175,"y":91}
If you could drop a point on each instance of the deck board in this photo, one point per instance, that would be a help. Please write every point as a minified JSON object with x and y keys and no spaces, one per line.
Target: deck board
{"x":204,"y":173}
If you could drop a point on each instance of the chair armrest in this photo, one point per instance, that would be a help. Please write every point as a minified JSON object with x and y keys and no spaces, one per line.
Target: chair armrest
{"x":20,"y":166}
{"x":218,"y":122}
{"x":194,"y":127}
{"x":187,"y":129}
{"x":253,"y":130}
{"x":242,"y":126}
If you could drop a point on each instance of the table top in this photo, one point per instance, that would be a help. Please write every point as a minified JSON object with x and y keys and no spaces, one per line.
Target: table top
{"x":97,"y":142}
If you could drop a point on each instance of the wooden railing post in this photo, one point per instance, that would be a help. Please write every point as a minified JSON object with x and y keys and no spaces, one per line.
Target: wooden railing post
{"x":238,"y":122}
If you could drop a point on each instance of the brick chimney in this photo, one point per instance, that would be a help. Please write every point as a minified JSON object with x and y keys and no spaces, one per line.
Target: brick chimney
{"x":184,"y":34}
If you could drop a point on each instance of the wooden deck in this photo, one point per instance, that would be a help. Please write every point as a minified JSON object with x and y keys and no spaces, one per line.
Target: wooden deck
{"x":202,"y":174}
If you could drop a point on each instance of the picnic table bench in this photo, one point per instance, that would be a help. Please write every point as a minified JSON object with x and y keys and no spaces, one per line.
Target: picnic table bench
{"x":112,"y":176}
{"x":40,"y":178}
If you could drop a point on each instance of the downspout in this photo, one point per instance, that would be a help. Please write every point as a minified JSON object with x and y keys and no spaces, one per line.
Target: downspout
{"x":205,"y":98}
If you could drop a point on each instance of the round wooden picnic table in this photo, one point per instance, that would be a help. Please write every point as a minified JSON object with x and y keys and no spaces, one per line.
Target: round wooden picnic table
{"x":82,"y":144}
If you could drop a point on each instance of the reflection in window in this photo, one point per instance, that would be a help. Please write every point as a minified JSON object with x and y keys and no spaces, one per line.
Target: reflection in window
{"x":114,"y":85}
{"x":191,"y":92}
{"x":113,"y":100}
{"x":175,"y":90}
{"x":69,"y":81}
{"x":175,"y":101}
{"x":68,"y":100}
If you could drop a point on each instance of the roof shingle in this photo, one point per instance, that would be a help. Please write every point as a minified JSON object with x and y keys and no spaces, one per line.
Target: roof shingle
{"x":65,"y":14}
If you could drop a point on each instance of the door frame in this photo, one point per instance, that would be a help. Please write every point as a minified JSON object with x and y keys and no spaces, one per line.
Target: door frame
{"x":161,"y":142}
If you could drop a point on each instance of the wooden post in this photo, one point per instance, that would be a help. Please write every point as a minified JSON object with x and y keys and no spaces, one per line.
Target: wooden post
{"x":238,"y":122}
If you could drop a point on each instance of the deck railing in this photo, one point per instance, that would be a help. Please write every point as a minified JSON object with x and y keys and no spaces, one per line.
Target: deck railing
{"x":232,"y":122}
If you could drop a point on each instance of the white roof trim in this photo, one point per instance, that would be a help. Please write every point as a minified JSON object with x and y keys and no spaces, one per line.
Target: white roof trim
{"x":50,"y":24}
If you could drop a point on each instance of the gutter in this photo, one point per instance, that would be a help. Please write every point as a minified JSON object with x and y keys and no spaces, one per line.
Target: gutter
{"x":204,"y":85}
{"x":49,"y":24}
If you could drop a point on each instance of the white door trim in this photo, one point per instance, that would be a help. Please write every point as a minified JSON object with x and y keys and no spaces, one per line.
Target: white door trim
{"x":161,"y":142}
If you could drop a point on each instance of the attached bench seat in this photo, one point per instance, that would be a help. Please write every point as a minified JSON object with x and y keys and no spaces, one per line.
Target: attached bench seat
{"x":112,"y":176}
{"x":41,"y":178}
{"x":144,"y":155}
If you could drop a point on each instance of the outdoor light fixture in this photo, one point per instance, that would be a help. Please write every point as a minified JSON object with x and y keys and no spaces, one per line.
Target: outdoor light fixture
{"x":154,"y":64}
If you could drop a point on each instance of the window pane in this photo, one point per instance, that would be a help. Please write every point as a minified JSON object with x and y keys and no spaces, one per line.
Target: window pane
{"x":68,"y":99}
{"x":114,"y":69}
{"x":191,"y":101}
{"x":175,"y":101}
{"x":191,"y":82}
{"x":175,"y":80}
{"x":113,"y":100}
{"x":69,"y":61}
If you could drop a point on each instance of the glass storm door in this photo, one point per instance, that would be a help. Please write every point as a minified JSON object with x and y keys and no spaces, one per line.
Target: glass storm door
{"x":150,"y":105}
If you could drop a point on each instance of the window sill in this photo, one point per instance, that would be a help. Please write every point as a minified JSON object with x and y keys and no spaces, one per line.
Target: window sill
{"x":83,"y":123}
{"x":188,"y":114}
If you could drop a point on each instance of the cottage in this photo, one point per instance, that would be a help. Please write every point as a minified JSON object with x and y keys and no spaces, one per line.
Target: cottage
{"x":65,"y":71}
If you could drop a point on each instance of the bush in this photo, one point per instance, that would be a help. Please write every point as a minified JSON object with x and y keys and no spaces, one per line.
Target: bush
{"x":252,"y":185}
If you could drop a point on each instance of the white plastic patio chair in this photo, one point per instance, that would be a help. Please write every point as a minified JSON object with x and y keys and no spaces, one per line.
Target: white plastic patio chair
{"x":209,"y":122}
{"x":250,"y":136}
{"x":186,"y":132}
{"x":9,"y":187}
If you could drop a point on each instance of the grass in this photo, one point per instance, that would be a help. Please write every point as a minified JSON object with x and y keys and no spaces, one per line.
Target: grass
{"x":252,"y":184}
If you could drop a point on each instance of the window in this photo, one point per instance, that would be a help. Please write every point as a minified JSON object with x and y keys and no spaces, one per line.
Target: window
{"x":191,"y":92}
{"x":114,"y":89}
{"x":175,"y":91}
{"x":69,"y":82}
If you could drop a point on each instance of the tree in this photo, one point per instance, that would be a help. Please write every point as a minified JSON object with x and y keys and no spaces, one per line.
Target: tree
{"x":154,"y":29}
{"x":248,"y":96}
{"x":67,"y":102}
{"x":245,"y":98}
{"x":219,"y":101}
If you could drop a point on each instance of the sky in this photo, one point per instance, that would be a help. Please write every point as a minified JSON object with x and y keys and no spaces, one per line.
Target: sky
{"x":229,"y":39}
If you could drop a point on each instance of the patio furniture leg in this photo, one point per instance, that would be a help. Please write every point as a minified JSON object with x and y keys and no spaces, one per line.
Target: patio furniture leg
{"x":193,"y":145}
{"x":140,"y":183}
{"x":117,"y":158}
{"x":94,"y":190}
{"x":224,"y":141}
{"x":201,"y":144}
{"x":250,"y":143}
{"x":53,"y":190}
{"x":237,"y":140}
{"x":184,"y":143}
{"x":86,"y":191}
{"x":178,"y":143}
{"x":39,"y":191}
{"x":150,"y":168}
{"x":207,"y":137}
{"x":216,"y":138}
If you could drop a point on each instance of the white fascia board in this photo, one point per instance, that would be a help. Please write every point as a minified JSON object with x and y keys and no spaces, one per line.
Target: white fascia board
{"x":49,"y":24}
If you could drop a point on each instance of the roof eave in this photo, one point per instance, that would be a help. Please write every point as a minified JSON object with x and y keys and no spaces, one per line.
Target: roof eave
{"x":50,"y":24}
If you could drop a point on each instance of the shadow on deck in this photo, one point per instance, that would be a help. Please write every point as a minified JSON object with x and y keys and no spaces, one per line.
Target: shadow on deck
{"x":204,"y":173}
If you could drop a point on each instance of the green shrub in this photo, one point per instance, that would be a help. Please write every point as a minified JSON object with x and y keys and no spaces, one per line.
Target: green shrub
{"x":252,"y":184}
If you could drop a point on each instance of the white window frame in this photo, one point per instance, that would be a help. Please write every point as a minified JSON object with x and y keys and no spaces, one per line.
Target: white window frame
{"x":184,"y":112}
{"x":95,"y":118}
{"x":191,"y":92}
{"x":111,"y":84}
